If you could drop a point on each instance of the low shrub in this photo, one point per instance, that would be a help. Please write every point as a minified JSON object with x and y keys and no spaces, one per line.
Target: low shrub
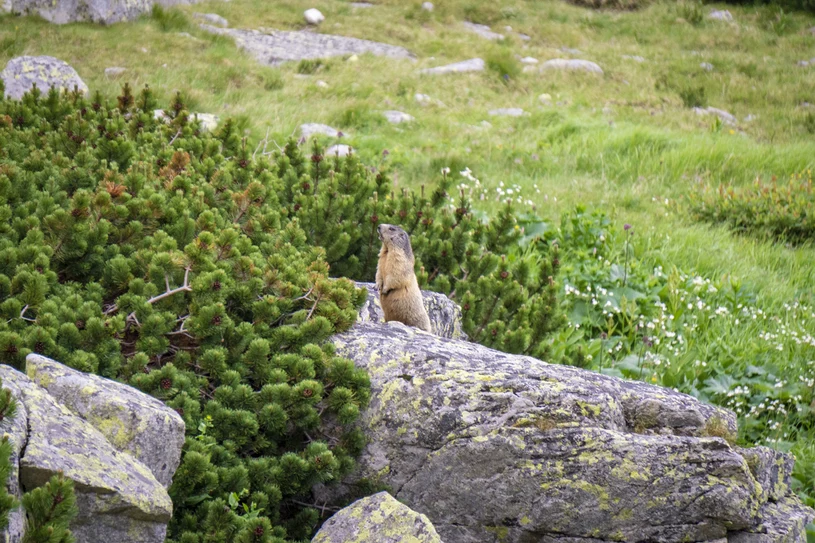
{"x":197,"y":270}
{"x":778,"y":211}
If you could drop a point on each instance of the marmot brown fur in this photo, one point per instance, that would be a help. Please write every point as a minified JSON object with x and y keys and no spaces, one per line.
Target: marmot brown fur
{"x":396,"y":281}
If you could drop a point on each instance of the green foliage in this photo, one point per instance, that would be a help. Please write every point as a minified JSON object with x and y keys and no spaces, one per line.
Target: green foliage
{"x":501,"y":61}
{"x":49,"y":510}
{"x":499,"y":270}
{"x":778,"y":211}
{"x":691,"y":11}
{"x":169,"y":19}
{"x":634,"y":315}
{"x":693,"y":95}
{"x":165,"y":257}
{"x":310,"y":66}
{"x":8,"y":407}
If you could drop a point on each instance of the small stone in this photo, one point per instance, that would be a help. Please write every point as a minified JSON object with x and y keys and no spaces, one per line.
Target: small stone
{"x":322,"y":84}
{"x":720,"y":15}
{"x":382,"y":518}
{"x":212,"y":18}
{"x":308,"y":130}
{"x":144,"y":49}
{"x":750,"y":118}
{"x":188,"y":35}
{"x":422,"y":98}
{"x":486,"y":124}
{"x":507,"y":112}
{"x":571,"y":51}
{"x":803,"y":63}
{"x":208,"y":121}
{"x":635,"y":58}
{"x":361,"y":5}
{"x":472,"y":65}
{"x":525,"y":37}
{"x":706,"y":66}
{"x":726,"y":117}
{"x":313,"y":16}
{"x":572,"y":65}
{"x":427,"y":6}
{"x":114,"y":72}
{"x":545,"y":99}
{"x":483,"y":30}
{"x":529,"y":60}
{"x":341,"y":150}
{"x":353,"y":58}
{"x":397,"y":117}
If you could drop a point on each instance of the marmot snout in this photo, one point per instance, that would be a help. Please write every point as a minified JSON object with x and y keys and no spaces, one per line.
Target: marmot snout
{"x":396,"y":281}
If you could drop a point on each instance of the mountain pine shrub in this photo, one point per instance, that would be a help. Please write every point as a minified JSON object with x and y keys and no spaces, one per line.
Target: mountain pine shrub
{"x":197,"y":270}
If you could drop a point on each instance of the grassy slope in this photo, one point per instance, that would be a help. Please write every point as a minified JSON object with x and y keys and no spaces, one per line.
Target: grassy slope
{"x":624,"y":142}
{"x":619,"y":142}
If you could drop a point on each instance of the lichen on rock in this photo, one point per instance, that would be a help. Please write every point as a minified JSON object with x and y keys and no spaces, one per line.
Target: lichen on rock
{"x":132,"y":421}
{"x":378,"y":518}
{"x":499,"y":447}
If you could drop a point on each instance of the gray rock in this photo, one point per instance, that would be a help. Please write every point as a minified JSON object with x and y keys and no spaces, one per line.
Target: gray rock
{"x":427,"y":6}
{"x":507,"y":112}
{"x":529,"y":60}
{"x":779,"y":522}
{"x":208,"y":121}
{"x":132,"y":421}
{"x":188,"y":35}
{"x":635,"y":58}
{"x":377,"y":518}
{"x":313,"y":16}
{"x":23,"y":73}
{"x":525,"y":37}
{"x":114,"y":72}
{"x":571,"y":51}
{"x":726,"y":117}
{"x":361,"y":5}
{"x":273,"y":47}
{"x":772,"y":470}
{"x":489,"y":444}
{"x":444,"y":313}
{"x":397,"y":117}
{"x":750,"y":118}
{"x":706,"y":66}
{"x":483,"y":30}
{"x":472,"y":65}
{"x":720,"y":15}
{"x":308,"y":130}
{"x":803,"y":63}
{"x":322,"y":84}
{"x":118,"y":497}
{"x":572,"y":65}
{"x":72,"y":11}
{"x":212,"y":18}
{"x":340,"y":150}
{"x":16,"y":429}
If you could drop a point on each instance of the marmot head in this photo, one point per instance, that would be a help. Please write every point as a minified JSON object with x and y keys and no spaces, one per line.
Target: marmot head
{"x":393,"y":236}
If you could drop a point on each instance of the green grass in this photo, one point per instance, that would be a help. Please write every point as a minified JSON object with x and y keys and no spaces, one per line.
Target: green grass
{"x":627,"y":142}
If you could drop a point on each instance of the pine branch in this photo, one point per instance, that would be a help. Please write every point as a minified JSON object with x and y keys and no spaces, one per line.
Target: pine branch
{"x":183,"y":288}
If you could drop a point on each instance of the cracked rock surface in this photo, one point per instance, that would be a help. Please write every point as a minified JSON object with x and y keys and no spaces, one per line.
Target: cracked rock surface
{"x":499,"y":447}
{"x":273,"y":47}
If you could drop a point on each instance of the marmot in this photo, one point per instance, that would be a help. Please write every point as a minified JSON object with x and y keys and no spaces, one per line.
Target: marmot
{"x":396,"y":281}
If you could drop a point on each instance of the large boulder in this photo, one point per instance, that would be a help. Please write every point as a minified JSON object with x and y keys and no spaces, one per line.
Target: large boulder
{"x":118,"y":497}
{"x":445,"y":314}
{"x":73,"y":11}
{"x":273,"y":47}
{"x":15,"y":429}
{"x":378,"y":518}
{"x":499,"y":447}
{"x":21,"y":74}
{"x":132,"y":421}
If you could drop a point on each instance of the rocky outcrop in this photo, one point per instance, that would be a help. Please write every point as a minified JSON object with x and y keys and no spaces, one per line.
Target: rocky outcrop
{"x":130,"y":420}
{"x":21,"y":74}
{"x":573,"y":65}
{"x":273,"y":47}
{"x":118,"y":496}
{"x":377,"y":518}
{"x":72,"y":11}
{"x":445,"y":315}
{"x":499,"y":447}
